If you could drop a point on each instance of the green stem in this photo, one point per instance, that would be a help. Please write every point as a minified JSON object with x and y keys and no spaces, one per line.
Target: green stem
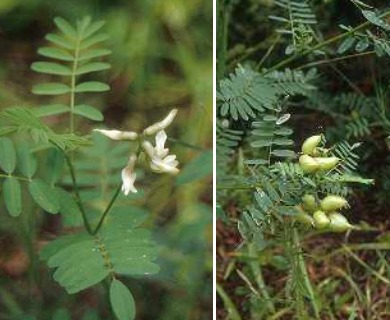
{"x":303,"y":271}
{"x":100,"y":223}
{"x":322,"y":44}
{"x":258,"y":275}
{"x":76,"y":191}
{"x":229,"y":305}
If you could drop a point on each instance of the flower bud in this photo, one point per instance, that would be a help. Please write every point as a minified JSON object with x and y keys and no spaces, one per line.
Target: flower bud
{"x":308,"y":164}
{"x":327,"y":163}
{"x":338,"y":223}
{"x":309,"y":202}
{"x":332,"y":203}
{"x":304,"y":217}
{"x":321,"y":220}
{"x":309,"y":145}
{"x":118,"y":135}
{"x":161,"y":125}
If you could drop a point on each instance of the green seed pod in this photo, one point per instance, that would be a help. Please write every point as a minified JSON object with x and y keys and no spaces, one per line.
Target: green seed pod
{"x":308,"y":164}
{"x":304,"y":217}
{"x":309,"y":145}
{"x":332,"y":203}
{"x":327,"y":163}
{"x":321,"y":220}
{"x":309,"y":202}
{"x":339,"y":223}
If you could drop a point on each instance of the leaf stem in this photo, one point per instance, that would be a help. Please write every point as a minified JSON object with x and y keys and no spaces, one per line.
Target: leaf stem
{"x":320,"y":45}
{"x":100,"y":223}
{"x":16,"y":177}
{"x":73,"y":85}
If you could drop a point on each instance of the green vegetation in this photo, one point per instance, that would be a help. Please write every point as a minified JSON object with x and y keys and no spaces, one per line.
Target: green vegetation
{"x":303,"y":125}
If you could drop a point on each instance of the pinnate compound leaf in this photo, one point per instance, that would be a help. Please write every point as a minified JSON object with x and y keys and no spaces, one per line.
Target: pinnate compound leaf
{"x":89,"y":112}
{"x":53,"y":88}
{"x":12,"y":196}
{"x":92,"y":86}
{"x":45,"y":196}
{"x":117,"y":249}
{"x":122,"y":301}
{"x":7,"y":155}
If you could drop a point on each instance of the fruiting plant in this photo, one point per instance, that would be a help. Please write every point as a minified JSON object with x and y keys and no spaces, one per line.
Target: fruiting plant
{"x":277,"y":194}
{"x":103,"y":240}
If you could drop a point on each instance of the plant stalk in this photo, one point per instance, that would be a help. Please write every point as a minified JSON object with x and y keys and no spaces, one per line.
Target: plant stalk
{"x":258,"y":275}
{"x":303,"y":271}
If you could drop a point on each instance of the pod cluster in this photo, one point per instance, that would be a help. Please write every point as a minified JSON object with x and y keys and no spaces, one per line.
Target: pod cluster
{"x":323,"y":215}
{"x":320,"y":214}
{"x":313,"y":158}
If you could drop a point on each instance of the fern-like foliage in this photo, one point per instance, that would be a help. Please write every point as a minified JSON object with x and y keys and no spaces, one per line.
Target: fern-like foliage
{"x":20,"y":119}
{"x":120,"y":248}
{"x":271,"y":137}
{"x":346,"y":153}
{"x":297,"y":22}
{"x":246,"y":92}
{"x":227,"y":141}
{"x":74,"y":50}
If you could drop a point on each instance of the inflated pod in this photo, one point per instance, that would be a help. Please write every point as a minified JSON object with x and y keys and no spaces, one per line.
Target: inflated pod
{"x":321,"y":220}
{"x":333,"y":203}
{"x":309,"y":202}
{"x":304,"y":217}
{"x":308,"y":164}
{"x":326,"y":164}
{"x":310,"y":144}
{"x":338,"y":223}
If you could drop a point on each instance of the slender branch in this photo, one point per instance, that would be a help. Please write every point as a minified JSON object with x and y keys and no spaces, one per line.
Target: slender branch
{"x":102,"y":218}
{"x":322,"y":44}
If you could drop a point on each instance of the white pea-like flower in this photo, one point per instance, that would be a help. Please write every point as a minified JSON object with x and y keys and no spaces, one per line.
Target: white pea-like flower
{"x":160,"y":160}
{"x":161,"y":125}
{"x":129,"y":176}
{"x":118,"y":135}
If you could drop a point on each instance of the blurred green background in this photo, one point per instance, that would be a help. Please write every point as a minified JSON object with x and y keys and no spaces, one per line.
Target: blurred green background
{"x":162,"y":58}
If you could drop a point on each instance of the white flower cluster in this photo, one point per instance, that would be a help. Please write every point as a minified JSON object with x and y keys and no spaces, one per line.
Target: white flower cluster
{"x":159,"y":158}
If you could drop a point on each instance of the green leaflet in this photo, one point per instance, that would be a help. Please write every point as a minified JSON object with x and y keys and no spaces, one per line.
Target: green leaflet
{"x":89,"y":112}
{"x":12,"y":196}
{"x":51,"y":110}
{"x":53,"y":88}
{"x":122,"y":301}
{"x":51,"y":68}
{"x":55,"y":53}
{"x":66,"y":28}
{"x":27,"y":163}
{"x":7,"y":155}
{"x":45,"y":196}
{"x":92,"y":67}
{"x":92,"y":86}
